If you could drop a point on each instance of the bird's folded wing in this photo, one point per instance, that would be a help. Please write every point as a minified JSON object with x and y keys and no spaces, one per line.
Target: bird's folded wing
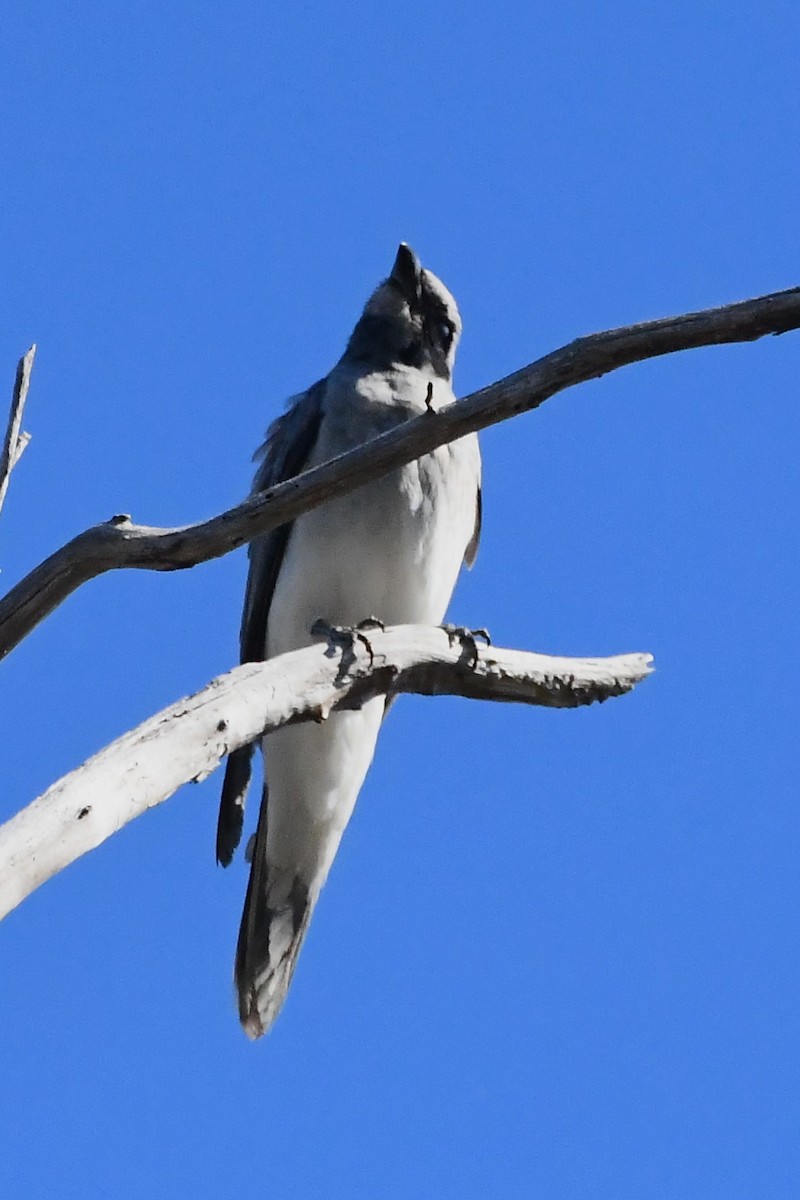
{"x":289,"y":444}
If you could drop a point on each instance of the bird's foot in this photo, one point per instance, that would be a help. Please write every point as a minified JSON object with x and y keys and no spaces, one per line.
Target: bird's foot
{"x":429,"y":399}
{"x":345,"y":637}
{"x":468,"y":639}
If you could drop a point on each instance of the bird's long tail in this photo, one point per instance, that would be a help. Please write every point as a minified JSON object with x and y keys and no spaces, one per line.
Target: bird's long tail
{"x":277,"y":910}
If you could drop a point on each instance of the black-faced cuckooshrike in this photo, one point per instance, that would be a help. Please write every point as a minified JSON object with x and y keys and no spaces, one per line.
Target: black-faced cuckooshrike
{"x":391,"y":549}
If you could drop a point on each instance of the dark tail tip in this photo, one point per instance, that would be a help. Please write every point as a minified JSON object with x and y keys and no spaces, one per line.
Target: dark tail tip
{"x":249,"y":1017}
{"x":270,"y":938}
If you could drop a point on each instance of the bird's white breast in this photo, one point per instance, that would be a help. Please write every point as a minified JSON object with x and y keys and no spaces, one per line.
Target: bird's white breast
{"x":391,"y":549}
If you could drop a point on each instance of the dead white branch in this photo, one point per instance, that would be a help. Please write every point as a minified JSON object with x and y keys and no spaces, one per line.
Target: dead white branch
{"x":187,"y":741}
{"x":15,"y":440}
{"x":120,"y":543}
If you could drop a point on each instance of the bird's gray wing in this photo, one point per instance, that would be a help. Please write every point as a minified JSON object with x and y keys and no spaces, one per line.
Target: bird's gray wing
{"x":288,"y":446}
{"x":471,"y":551}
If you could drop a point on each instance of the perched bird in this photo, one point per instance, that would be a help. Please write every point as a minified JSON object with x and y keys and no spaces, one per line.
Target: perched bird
{"x":391,"y":549}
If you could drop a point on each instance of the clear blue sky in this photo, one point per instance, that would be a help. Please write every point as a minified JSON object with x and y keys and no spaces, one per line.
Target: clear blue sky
{"x":558,"y":953}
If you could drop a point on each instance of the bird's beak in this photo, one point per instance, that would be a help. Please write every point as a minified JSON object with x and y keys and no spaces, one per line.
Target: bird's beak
{"x":406,"y":272}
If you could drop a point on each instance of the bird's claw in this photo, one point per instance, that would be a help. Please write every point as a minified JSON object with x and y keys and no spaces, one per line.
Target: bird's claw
{"x":345,"y":636}
{"x":468,"y":638}
{"x":371,"y":623}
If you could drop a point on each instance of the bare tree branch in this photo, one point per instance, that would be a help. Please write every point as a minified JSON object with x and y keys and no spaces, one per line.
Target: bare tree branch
{"x":16,"y":441}
{"x":120,"y":543}
{"x":187,"y":740}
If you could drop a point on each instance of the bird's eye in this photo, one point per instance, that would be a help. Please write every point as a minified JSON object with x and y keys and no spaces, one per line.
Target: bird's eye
{"x":446,"y":333}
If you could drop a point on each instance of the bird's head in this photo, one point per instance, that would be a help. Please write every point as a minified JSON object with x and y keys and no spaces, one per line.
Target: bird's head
{"x":410,"y":318}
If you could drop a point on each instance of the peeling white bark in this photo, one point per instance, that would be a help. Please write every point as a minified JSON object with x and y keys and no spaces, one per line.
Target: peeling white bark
{"x":188,"y":740}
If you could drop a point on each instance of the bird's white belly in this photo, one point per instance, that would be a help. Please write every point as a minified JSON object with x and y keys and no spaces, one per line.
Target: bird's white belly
{"x":391,"y":550}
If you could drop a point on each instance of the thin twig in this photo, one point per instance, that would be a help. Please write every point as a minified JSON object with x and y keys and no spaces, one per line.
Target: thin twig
{"x":120,"y":543}
{"x":15,"y":441}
